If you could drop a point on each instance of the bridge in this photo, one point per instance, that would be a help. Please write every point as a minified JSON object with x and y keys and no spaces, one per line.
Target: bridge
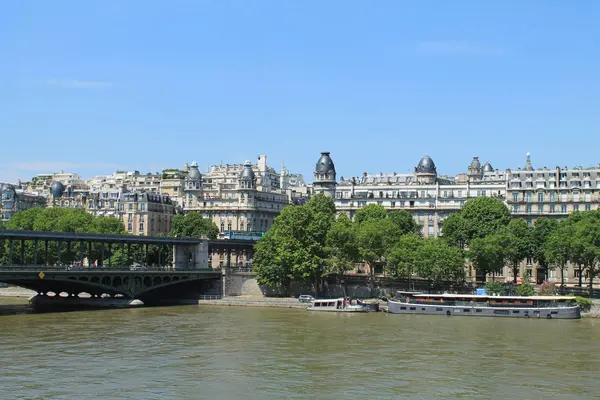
{"x":115,"y":266}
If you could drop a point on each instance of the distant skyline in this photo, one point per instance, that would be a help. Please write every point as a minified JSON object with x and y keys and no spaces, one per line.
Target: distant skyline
{"x":95,"y":86}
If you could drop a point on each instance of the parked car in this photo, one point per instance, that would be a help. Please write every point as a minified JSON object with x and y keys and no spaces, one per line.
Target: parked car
{"x":305,"y":298}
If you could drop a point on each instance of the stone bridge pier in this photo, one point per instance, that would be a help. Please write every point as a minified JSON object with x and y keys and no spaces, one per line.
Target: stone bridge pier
{"x":190,"y":256}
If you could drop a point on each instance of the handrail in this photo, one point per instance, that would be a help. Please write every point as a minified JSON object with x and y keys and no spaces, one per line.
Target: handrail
{"x":58,"y":268}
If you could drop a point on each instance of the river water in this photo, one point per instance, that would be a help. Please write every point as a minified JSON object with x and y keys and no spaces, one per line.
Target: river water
{"x":214,"y":352}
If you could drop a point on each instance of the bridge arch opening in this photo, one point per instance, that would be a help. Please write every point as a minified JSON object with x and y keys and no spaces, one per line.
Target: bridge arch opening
{"x":117,"y":281}
{"x":95,"y":279}
{"x":147,"y":281}
{"x":84,"y":278}
{"x":106,"y":280}
{"x":157,"y":281}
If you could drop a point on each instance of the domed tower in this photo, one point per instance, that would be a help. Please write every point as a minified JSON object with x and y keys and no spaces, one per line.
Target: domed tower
{"x":425,"y":171}
{"x":528,"y":166}
{"x":474,"y":172}
{"x":324,"y":182}
{"x":247,"y":178}
{"x":487,"y":167}
{"x":193,"y":180}
{"x":56,"y":190}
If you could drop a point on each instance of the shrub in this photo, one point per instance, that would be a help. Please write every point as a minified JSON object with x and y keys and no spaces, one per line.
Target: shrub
{"x":494,"y":288}
{"x":584,"y":304}
{"x":525,"y":289}
{"x":547,"y":289}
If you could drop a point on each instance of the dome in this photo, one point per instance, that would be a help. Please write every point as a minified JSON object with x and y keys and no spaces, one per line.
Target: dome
{"x":247,"y":173}
{"x":487,"y":167}
{"x":325,"y":164}
{"x":193,"y":171}
{"x":57,"y":189}
{"x":426,"y":166}
{"x":475,"y":164}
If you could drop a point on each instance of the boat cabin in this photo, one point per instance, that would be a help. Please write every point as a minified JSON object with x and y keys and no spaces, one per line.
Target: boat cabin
{"x":332,"y":304}
{"x":488,"y":301}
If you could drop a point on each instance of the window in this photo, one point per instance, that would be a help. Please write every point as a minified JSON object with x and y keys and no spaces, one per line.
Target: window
{"x":515,"y":209}
{"x":563,"y":208}
{"x":575,"y":207}
{"x":229,"y":226}
{"x":141,"y":227}
{"x":222,"y":227}
{"x":540,"y":197}
{"x":529,"y":209}
{"x":552,"y":196}
{"x":588,"y":207}
{"x":541,"y":208}
{"x":515,"y":196}
{"x":130,"y":206}
{"x":528,"y":196}
{"x":552,"y":209}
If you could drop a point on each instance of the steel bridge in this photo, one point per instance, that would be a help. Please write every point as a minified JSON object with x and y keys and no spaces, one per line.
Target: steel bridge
{"x":140,"y":267}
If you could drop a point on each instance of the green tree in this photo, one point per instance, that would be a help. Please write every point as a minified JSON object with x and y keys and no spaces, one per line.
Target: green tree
{"x":557,"y":249}
{"x":341,"y":244}
{"x":403,"y":257}
{"x":375,"y":238}
{"x":487,"y":254}
{"x":295,"y":246}
{"x":586,"y":242}
{"x":455,"y":231}
{"x":438,"y":262}
{"x":404,"y":220}
{"x":193,"y":225}
{"x":370,"y":212}
{"x":517,"y":244}
{"x":484,"y":216}
{"x":542,"y":229}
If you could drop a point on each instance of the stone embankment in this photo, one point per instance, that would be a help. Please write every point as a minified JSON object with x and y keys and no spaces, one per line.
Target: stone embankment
{"x":15,"y":291}
{"x":594,"y":312}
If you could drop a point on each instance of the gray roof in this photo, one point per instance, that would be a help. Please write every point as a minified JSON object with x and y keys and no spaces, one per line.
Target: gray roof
{"x":325,"y":164}
{"x":426,"y":165}
{"x":475,"y":163}
{"x":57,"y":189}
{"x":487,"y":167}
{"x":247,"y":173}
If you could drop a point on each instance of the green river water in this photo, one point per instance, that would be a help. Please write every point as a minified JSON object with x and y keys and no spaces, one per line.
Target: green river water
{"x":214,"y":352}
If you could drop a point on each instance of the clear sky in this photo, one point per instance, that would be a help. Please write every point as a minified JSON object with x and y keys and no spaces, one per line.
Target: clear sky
{"x":92,"y":86}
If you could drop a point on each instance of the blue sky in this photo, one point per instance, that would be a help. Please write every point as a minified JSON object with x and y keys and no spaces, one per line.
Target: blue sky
{"x":92,"y":86}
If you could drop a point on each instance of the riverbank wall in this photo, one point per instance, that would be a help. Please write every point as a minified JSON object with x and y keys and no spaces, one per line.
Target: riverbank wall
{"x":245,"y":301}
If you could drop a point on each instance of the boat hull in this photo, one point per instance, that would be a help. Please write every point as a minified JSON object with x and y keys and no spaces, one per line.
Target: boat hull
{"x":396,"y":307}
{"x":345,"y":310}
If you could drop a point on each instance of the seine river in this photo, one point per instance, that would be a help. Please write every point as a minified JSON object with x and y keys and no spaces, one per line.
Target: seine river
{"x":212,"y":352}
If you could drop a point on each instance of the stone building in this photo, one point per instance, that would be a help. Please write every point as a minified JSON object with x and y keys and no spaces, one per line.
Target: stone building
{"x":529,"y":193}
{"x":147,"y":213}
{"x":14,"y":198}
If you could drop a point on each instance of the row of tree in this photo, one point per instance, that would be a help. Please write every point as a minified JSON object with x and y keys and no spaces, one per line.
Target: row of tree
{"x":308,"y":242}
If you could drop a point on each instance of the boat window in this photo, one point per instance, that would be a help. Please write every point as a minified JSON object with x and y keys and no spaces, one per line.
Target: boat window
{"x":501,"y":312}
{"x":553,"y":312}
{"x":478,"y":310}
{"x":439,"y":309}
{"x":403,"y":308}
{"x":413,"y":308}
{"x":466,"y":310}
{"x":423,"y":308}
{"x":516,"y":311}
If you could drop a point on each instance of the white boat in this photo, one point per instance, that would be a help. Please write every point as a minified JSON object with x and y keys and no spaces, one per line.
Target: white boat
{"x":343,"y":304}
{"x":564,"y":307}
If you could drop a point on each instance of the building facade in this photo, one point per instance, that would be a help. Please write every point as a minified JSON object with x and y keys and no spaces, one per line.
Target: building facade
{"x":14,"y":199}
{"x":529,"y":193}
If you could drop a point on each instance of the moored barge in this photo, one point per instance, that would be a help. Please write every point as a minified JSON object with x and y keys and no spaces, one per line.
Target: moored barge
{"x":563,"y":307}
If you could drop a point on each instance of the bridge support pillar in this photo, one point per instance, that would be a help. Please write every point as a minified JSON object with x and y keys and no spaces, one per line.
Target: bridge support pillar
{"x":191,"y":256}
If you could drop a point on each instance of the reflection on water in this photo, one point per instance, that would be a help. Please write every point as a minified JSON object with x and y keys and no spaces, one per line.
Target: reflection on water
{"x":204,"y":352}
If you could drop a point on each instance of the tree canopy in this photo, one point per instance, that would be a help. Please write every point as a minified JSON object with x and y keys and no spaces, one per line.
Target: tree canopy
{"x":193,"y":225}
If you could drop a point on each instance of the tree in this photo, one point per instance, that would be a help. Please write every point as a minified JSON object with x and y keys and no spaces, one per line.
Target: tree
{"x":294,"y":248}
{"x":370,"y":212}
{"x":487,"y":254}
{"x":542,"y":229}
{"x":341,"y":244}
{"x":587,"y":243}
{"x":455,"y":231}
{"x":193,"y":225}
{"x":557,"y":249}
{"x":404,"y":220}
{"x":438,"y":262}
{"x":375,"y":238}
{"x":517,"y":244}
{"x":402,"y":257}
{"x":484,"y":216}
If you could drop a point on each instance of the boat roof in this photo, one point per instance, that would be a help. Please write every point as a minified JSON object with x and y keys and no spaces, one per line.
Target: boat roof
{"x":478,"y":296}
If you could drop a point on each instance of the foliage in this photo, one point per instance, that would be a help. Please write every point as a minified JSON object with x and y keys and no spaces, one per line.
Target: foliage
{"x":484,"y":216}
{"x":403,"y":256}
{"x":370,"y":212}
{"x":547,"y":289}
{"x":557,"y":249}
{"x":494,"y":288}
{"x":584,"y":304}
{"x":193,"y":225}
{"x":295,"y":246}
{"x":438,"y":262}
{"x":455,"y":231}
{"x":341,"y":246}
{"x":487,"y":254}
{"x":404,"y":220}
{"x":517,"y":244}
{"x":375,"y":238}
{"x":542,"y":229}
{"x":525,"y":288}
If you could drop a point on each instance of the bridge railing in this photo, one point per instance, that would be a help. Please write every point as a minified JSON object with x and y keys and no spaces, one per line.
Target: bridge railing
{"x":69,"y":268}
